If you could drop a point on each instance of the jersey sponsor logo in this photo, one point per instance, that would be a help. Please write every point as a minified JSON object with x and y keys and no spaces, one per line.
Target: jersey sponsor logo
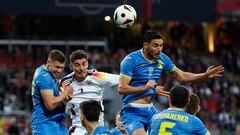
{"x":45,"y":75}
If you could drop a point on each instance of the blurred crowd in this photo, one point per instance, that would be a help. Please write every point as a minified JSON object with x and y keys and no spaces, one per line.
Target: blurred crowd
{"x":220,"y":107}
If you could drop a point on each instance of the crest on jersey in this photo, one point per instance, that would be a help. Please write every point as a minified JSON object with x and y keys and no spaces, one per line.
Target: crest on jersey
{"x":160,"y":64}
{"x":150,"y":71}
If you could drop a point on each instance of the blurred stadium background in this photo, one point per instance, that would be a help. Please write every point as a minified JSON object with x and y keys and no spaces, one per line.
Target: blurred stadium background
{"x":197,"y":34}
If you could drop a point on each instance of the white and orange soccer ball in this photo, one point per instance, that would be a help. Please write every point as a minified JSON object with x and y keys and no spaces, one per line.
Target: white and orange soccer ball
{"x":124,"y":16}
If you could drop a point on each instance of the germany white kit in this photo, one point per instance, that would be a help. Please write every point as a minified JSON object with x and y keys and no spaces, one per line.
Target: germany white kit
{"x":89,"y":89}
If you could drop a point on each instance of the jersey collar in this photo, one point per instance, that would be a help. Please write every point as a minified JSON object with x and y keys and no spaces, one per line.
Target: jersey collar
{"x":175,"y":108}
{"x":151,"y":61}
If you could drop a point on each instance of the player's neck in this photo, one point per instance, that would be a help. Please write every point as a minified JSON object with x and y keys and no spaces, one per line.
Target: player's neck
{"x":79,"y":79}
{"x":147,"y":56}
{"x":90,"y":126}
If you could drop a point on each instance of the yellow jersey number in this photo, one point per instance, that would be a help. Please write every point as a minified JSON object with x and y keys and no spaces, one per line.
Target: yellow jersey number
{"x":164,"y":126}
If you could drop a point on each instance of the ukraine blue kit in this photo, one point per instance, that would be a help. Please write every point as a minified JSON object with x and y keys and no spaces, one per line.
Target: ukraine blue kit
{"x":137,"y":67}
{"x":42,"y":119}
{"x":115,"y":131}
{"x":176,"y":122}
{"x":100,"y":130}
{"x":140,"y":70}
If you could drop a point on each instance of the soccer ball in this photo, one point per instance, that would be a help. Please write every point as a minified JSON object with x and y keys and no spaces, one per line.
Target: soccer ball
{"x":124,"y":16}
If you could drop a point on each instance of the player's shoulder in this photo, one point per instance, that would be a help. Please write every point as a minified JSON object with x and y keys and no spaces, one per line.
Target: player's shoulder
{"x":136,"y":53}
{"x":132,"y":57}
{"x":93,"y":73}
{"x":163,"y":55}
{"x":42,"y":72}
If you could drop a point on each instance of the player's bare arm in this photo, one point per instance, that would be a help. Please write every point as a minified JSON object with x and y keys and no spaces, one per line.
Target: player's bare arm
{"x":185,"y":77}
{"x":125,"y":88}
{"x":51,"y":102}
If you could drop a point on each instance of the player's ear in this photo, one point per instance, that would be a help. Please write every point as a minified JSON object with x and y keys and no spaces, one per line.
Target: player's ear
{"x":48,"y":61}
{"x":144,"y":44}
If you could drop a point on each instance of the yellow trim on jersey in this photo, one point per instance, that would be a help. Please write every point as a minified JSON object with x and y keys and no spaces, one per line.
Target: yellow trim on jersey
{"x":126,"y":76}
{"x":175,"y":108}
{"x":160,"y":64}
{"x":208,"y":133}
{"x":151,"y":61}
{"x":43,"y":90}
{"x":172,"y":70}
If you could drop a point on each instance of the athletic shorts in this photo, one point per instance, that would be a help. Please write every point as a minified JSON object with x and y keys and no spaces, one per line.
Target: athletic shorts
{"x":49,"y":128}
{"x":136,"y":116}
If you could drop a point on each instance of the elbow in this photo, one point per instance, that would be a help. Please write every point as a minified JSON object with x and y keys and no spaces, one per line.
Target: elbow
{"x":120,"y":89}
{"x":49,"y":107}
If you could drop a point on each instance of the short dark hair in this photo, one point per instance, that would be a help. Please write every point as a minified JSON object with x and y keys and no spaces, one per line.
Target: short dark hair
{"x":179,"y":96}
{"x":152,"y":34}
{"x":56,"y":55}
{"x":192,"y":106}
{"x":78,"y":54}
{"x":91,"y":110}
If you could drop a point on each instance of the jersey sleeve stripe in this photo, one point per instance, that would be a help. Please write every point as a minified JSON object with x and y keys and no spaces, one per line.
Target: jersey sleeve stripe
{"x":42,"y":90}
{"x":126,"y":76}
{"x":100,"y":75}
{"x":172,"y":70}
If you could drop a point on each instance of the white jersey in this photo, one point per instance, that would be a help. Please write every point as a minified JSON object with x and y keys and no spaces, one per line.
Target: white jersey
{"x":89,"y":89}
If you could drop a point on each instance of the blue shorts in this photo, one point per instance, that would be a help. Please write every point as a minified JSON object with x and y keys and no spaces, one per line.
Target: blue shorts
{"x":134,"y":117}
{"x":49,"y":128}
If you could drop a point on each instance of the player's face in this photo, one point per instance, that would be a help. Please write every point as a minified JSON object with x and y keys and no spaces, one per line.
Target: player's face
{"x":55,"y":68}
{"x":80,"y":66}
{"x":154,"y":48}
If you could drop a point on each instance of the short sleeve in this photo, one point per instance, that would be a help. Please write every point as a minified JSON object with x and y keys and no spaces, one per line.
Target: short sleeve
{"x":168,"y":64}
{"x":127,"y":66}
{"x":107,"y":78}
{"x":44,"y":82}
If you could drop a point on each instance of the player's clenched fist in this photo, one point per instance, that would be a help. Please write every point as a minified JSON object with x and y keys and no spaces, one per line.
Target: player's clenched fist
{"x":150,"y":84}
{"x":67,"y":93}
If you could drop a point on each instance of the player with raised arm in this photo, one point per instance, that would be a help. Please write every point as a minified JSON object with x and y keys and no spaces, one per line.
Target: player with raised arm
{"x":87,"y":85}
{"x":175,"y":120}
{"x":48,"y":108}
{"x":139,"y":72}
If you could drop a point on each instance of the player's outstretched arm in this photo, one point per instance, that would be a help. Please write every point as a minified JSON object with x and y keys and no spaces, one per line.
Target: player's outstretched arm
{"x":125,"y":88}
{"x":51,"y":102}
{"x":211,"y":72}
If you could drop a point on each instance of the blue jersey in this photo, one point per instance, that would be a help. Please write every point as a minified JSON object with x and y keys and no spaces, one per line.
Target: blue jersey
{"x":42,"y":81}
{"x":137,"y":67}
{"x":100,"y":130}
{"x":177,"y":122}
{"x":116,"y":131}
